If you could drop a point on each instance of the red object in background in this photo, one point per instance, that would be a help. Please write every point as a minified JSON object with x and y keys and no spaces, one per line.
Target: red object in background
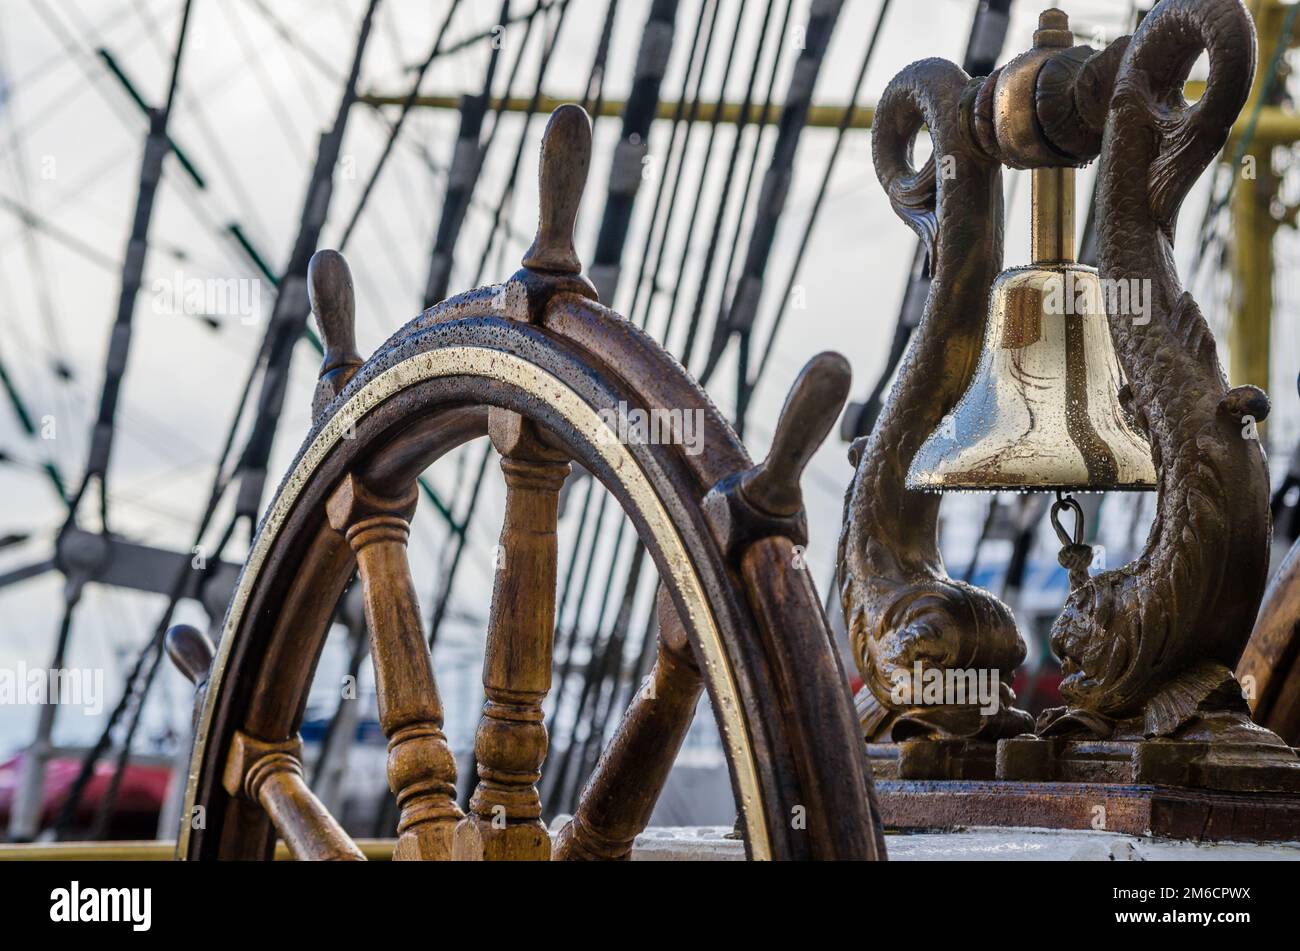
{"x":1046,"y":692}
{"x":139,"y":797}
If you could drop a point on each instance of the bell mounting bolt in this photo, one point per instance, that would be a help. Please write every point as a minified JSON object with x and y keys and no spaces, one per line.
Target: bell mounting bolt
{"x":1047,"y":107}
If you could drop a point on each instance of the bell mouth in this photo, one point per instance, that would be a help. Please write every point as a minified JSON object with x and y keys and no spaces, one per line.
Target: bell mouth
{"x":1042,"y":411}
{"x":1026,"y":489}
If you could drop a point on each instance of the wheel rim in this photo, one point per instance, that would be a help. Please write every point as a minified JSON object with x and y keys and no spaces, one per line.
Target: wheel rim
{"x":541,"y":352}
{"x":487,"y":364}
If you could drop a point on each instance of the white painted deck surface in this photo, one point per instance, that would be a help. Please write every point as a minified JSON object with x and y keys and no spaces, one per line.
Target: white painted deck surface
{"x":710,"y":843}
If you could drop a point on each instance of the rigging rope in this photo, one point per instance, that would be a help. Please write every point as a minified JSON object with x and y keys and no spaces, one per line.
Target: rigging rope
{"x":407,"y":103}
{"x":444,"y":596}
{"x":676,"y":160}
{"x":156,"y":146}
{"x":567,"y":637}
{"x":281,"y":331}
{"x":987,"y":37}
{"x":798,"y":98}
{"x":101,"y":442}
{"x":627,"y":170}
{"x":823,"y":187}
{"x":721,"y":332}
{"x":462,"y":175}
{"x":606,"y":650}
{"x":606,"y":665}
{"x":715,"y":234}
{"x":440,"y":611}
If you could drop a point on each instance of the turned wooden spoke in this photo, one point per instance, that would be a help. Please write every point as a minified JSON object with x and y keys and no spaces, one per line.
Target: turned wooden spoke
{"x":421,"y":770}
{"x":505,"y":811}
{"x":616,"y":804}
{"x":271,"y":774}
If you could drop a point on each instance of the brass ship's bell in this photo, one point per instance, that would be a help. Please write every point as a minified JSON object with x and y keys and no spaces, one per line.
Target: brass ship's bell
{"x":1042,"y":411}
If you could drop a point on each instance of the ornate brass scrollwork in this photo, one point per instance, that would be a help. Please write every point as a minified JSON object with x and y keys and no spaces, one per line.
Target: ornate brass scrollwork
{"x":1147,"y":650}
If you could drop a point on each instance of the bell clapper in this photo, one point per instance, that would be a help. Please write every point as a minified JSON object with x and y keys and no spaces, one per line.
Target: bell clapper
{"x":1075,"y":556}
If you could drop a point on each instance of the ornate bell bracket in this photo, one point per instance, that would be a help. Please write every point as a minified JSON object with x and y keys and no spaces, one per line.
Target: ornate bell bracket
{"x":1147,"y":650}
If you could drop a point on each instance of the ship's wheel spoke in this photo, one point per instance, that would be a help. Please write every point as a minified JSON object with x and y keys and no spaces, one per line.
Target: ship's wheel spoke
{"x":271,"y":774}
{"x":620,"y":796}
{"x":421,"y":770}
{"x":505,"y":821}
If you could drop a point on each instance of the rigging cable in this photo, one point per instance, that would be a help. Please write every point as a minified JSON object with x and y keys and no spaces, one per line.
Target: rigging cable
{"x":797,"y":100}
{"x":155,"y":148}
{"x":611,"y":667}
{"x":557,"y":778}
{"x":463,"y":174}
{"x":715,"y":234}
{"x":278,"y":336}
{"x":444,"y":596}
{"x":411,"y":96}
{"x":566,"y":636}
{"x":603,"y":645}
{"x":624,"y":181}
{"x":385,"y":812}
{"x":627,"y":169}
{"x":987,"y":36}
{"x":721,"y":332}
{"x":823,"y":188}
{"x":683,"y":119}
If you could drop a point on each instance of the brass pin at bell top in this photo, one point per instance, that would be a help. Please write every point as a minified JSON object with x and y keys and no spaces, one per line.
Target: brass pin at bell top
{"x":1042,"y":412}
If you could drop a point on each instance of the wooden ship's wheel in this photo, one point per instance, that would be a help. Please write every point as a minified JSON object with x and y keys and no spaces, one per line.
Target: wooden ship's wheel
{"x":540,"y":367}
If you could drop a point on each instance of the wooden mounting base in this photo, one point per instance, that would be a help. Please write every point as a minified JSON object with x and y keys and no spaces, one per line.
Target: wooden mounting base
{"x":1227,"y":767}
{"x":933,"y":759}
{"x":1131,"y":809}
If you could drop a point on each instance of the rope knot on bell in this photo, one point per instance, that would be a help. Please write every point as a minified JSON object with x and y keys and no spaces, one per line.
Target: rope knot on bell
{"x":1075,"y":559}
